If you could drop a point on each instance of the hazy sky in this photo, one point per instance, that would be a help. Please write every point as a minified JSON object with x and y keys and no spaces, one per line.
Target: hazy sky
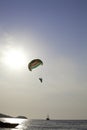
{"x":56,"y":32}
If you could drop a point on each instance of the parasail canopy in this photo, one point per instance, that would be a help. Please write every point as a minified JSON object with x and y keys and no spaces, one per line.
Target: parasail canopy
{"x":34,"y":63}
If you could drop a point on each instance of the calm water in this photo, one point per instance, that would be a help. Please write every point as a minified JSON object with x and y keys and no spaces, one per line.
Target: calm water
{"x":47,"y":125}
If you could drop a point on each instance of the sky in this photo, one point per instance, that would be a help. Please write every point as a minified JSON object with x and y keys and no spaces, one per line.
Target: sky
{"x":54,"y":31}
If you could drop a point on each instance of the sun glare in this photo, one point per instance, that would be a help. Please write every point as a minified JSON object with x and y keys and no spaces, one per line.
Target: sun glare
{"x":15,"y":59}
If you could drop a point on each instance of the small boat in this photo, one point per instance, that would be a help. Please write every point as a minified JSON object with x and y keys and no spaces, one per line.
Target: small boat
{"x":47,"y":117}
{"x":7,"y":125}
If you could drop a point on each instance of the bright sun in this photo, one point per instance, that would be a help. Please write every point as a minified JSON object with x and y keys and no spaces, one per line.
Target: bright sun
{"x":15,"y":59}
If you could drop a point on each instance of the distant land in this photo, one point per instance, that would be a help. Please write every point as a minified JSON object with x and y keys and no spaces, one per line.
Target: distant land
{"x":22,"y":117}
{"x":7,"y":116}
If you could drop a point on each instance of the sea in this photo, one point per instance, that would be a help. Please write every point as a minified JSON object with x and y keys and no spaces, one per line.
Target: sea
{"x":35,"y":124}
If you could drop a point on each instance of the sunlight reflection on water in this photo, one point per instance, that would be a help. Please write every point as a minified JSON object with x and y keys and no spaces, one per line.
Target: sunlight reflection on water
{"x":21,"y":123}
{"x":13,"y":120}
